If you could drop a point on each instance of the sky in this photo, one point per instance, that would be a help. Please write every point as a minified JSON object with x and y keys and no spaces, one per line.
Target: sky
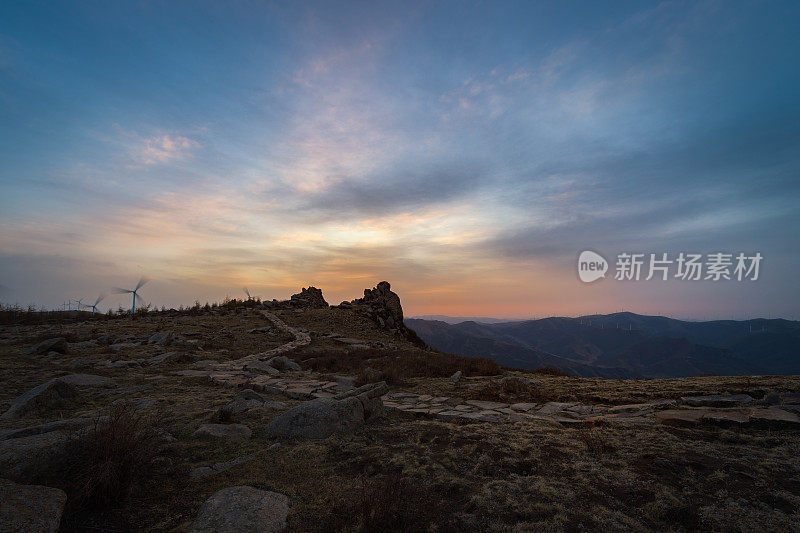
{"x":466,"y":152}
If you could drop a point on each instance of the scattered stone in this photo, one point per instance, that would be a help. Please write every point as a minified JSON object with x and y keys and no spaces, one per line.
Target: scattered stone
{"x":680,"y":417}
{"x":486,"y":405}
{"x":455,"y":378}
{"x":523,"y":406}
{"x":162,"y":337}
{"x":69,"y":424}
{"x":643,"y":407}
{"x":24,"y":457}
{"x":53,"y":393}
{"x":778,"y":398}
{"x":31,"y":508}
{"x":262,"y":367}
{"x":718,"y":400}
{"x":774,"y":418}
{"x":167,"y":357}
{"x":58,"y":344}
{"x":242,"y":508}
{"x":265,"y":330}
{"x":323,"y":417}
{"x":233,"y":432}
{"x":86,"y":380}
{"x":116,"y":348}
{"x":283,"y":363}
{"x":725,"y":418}
{"x":203,"y":471}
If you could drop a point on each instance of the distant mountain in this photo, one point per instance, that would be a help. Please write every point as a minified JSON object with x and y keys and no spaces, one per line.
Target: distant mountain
{"x":626,"y":345}
{"x":460,"y":319}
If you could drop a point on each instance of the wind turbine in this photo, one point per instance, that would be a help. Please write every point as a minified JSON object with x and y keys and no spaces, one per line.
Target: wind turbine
{"x":134,"y":292}
{"x":93,"y":307}
{"x":250,"y":298}
{"x":78,"y":303}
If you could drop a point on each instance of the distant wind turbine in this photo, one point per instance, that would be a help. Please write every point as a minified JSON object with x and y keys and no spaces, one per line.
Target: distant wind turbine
{"x":250,"y":298}
{"x":134,"y":293}
{"x":93,"y":307}
{"x":78,"y":303}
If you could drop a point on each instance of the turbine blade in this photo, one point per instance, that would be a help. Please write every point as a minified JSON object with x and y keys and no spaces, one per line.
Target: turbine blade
{"x":99,"y":299}
{"x":117,"y":290}
{"x":247,"y":292}
{"x":142,"y":281}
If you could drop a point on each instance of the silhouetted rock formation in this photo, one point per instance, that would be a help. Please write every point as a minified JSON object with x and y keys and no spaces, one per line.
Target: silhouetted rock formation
{"x":383,"y":306}
{"x":310,"y":298}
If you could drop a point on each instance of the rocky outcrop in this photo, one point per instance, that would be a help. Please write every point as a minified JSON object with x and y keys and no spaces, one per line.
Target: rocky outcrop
{"x":30,"y":507}
{"x":307,"y":298}
{"x":323,"y":417}
{"x":382,"y":306}
{"x":242,"y":508}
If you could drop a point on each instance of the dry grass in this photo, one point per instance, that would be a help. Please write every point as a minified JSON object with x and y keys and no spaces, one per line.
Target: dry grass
{"x":106,"y":464}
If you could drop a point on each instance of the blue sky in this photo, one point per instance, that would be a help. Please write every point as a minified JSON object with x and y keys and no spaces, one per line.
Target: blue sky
{"x":466,"y":152}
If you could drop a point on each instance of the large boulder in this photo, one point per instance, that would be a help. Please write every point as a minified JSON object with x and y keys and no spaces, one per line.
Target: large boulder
{"x":242,"y":508}
{"x":323,"y":417}
{"x":50,"y":345}
{"x":283,"y":363}
{"x":30,"y":507}
{"x":23,"y":457}
{"x":162,"y":337}
{"x":53,"y":393}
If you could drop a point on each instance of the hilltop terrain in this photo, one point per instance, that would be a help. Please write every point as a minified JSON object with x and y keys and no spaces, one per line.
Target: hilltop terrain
{"x":310,"y":417}
{"x":626,"y":345}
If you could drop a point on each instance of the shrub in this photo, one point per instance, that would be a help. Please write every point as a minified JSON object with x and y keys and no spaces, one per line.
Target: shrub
{"x":107,"y":462}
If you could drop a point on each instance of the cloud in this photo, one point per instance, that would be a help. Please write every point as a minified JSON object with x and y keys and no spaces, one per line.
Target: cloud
{"x":162,"y":149}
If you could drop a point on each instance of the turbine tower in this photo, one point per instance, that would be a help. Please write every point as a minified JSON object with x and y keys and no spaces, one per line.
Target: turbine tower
{"x":93,"y":307}
{"x":134,"y":293}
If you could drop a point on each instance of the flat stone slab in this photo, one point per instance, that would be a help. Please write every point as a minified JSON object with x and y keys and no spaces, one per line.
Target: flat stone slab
{"x":680,"y":417}
{"x":486,"y":405}
{"x":30,"y":507}
{"x":718,"y":400}
{"x":777,"y":418}
{"x":242,"y":508}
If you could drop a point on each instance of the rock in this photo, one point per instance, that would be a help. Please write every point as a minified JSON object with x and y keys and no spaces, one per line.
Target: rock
{"x":203,"y":471}
{"x":58,"y":344}
{"x":265,"y":330}
{"x":167,"y":357}
{"x":31,"y":508}
{"x":774,"y":418}
{"x":523,"y":406}
{"x":262,"y":367}
{"x":455,"y":378}
{"x":382,"y":306}
{"x":777,"y":398}
{"x":246,"y":399}
{"x":725,"y":418}
{"x":86,"y":380}
{"x":323,"y":417}
{"x":242,"y":508}
{"x":22,"y":458}
{"x":551,"y":408}
{"x":69,"y":424}
{"x":162,"y":337}
{"x":718,"y":400}
{"x":53,"y":393}
{"x":83,"y":345}
{"x":481,"y":404}
{"x":643,"y":407}
{"x":234,"y":432}
{"x":680,"y":417}
{"x":283,"y":363}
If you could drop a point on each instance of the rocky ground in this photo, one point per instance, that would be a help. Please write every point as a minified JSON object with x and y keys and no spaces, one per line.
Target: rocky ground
{"x":308,"y":418}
